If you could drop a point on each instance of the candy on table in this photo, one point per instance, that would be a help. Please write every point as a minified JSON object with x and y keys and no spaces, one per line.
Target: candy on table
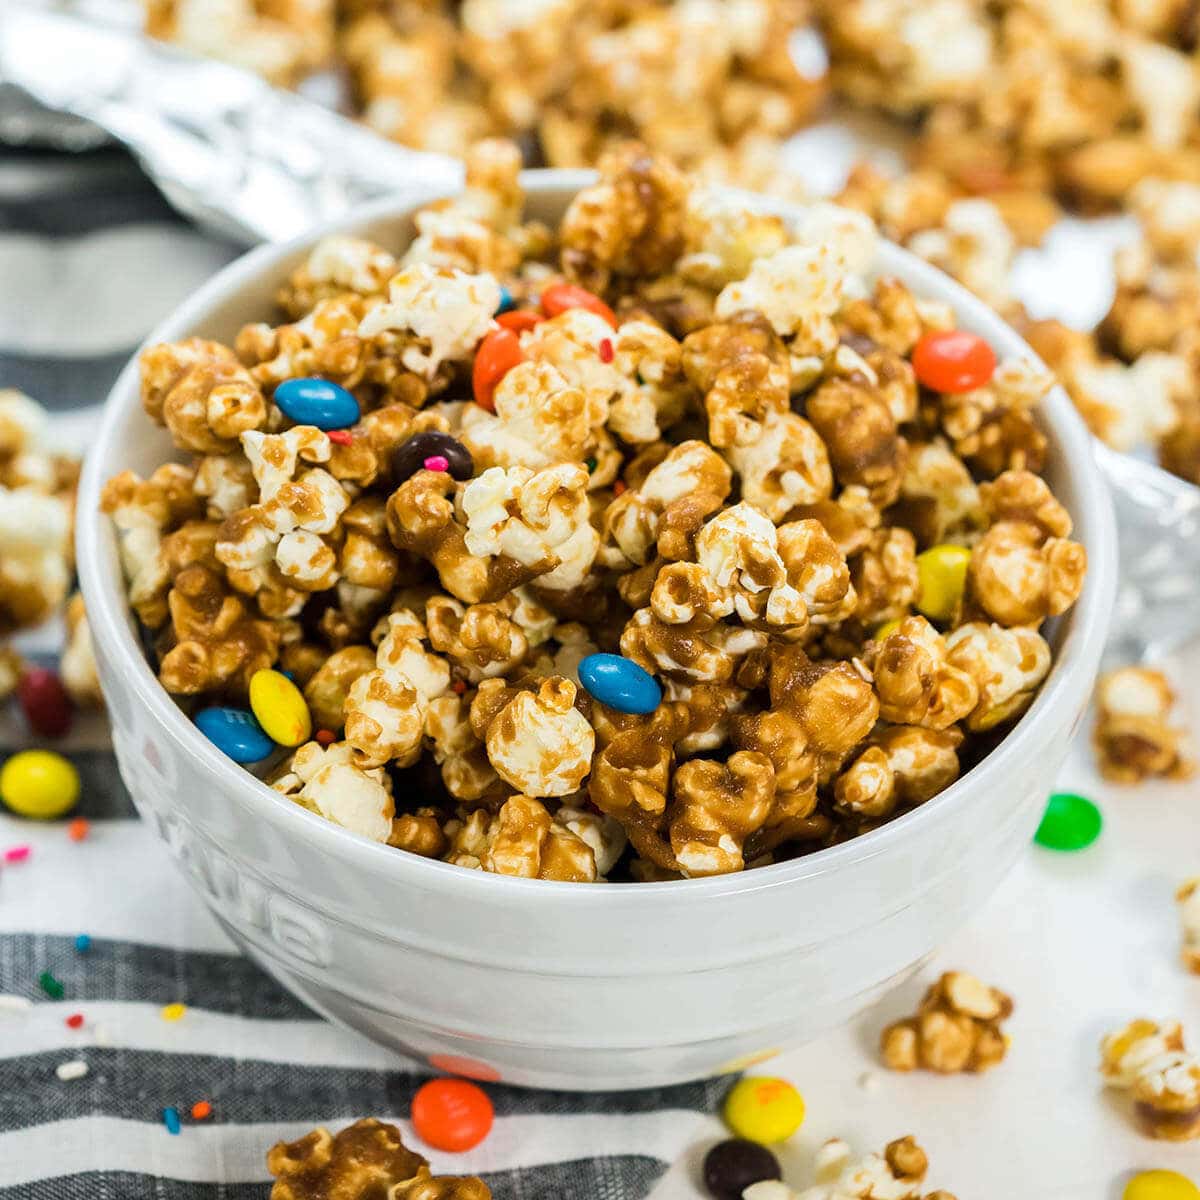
{"x":953,"y":360}
{"x":1160,"y":1185}
{"x":39,"y":784}
{"x":764,"y":1109}
{"x":733,"y":1165}
{"x":18,"y":854}
{"x":173,"y":1011}
{"x":1161,"y":1076}
{"x":619,"y":683}
{"x":51,"y":985}
{"x":74,"y":1068}
{"x":317,"y":402}
{"x":170,"y":1118}
{"x":942,"y":579}
{"x":956,"y":1028}
{"x":202,"y":1110}
{"x":410,"y":456}
{"x":45,"y":702}
{"x":83,"y":942}
{"x":74,"y":1021}
{"x":451,"y":1114}
{"x":78,"y":829}
{"x":280,"y":708}
{"x":367,"y":1158}
{"x":235,"y":732}
{"x":1070,"y":822}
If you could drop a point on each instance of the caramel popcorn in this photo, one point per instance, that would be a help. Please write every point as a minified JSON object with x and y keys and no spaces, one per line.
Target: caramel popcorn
{"x":898,"y":1174}
{"x":1189,"y":919}
{"x":1150,"y":1062}
{"x":365,"y":1160}
{"x":1133,"y":736}
{"x":719,"y":466}
{"x":956,"y":1028}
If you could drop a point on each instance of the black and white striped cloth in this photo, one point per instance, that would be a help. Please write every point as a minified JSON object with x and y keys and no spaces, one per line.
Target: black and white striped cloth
{"x":90,"y":258}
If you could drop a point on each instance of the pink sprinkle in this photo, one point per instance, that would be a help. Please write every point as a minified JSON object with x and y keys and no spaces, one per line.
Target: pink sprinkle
{"x":343,"y":437}
{"x":606,"y":350}
{"x":437,"y":462}
{"x":16,"y":854}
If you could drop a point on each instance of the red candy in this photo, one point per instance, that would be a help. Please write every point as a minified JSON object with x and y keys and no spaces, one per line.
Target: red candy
{"x":75,"y":1021}
{"x":451,"y":1114}
{"x":558,"y":297}
{"x":606,"y":350}
{"x":343,"y":437}
{"x":519,"y":320}
{"x":45,"y":702}
{"x":498,"y":353}
{"x":953,"y":361}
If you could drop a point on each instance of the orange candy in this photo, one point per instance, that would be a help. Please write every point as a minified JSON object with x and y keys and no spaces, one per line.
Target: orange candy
{"x":953,"y":361}
{"x":558,"y":297}
{"x":519,"y":320}
{"x":498,"y":353}
{"x":451,"y":1114}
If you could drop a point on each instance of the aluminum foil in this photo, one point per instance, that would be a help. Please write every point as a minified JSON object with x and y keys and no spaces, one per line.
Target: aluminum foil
{"x":258,"y":164}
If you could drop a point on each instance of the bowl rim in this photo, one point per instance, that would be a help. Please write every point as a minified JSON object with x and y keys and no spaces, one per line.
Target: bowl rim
{"x":104,"y":593}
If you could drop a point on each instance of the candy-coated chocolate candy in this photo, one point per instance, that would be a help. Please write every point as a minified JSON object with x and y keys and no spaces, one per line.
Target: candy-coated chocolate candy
{"x":558,"y":297}
{"x":317,"y":402}
{"x":953,"y":360}
{"x":498,"y":353}
{"x":45,"y":702}
{"x":409,"y":457}
{"x":39,"y":784}
{"x":451,"y":1114}
{"x":280,"y":708}
{"x":761,"y":1108}
{"x":1160,"y":1185}
{"x":942,"y":579}
{"x":886,"y":630}
{"x":506,"y":300}
{"x":620,"y":683}
{"x":732,"y":1166}
{"x":234,"y":732}
{"x":519,"y":320}
{"x":1069,"y":823}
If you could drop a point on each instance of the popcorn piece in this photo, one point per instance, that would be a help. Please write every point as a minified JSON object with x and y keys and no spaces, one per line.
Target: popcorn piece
{"x":940,"y":501}
{"x":331,"y":783}
{"x":1188,"y":899}
{"x":1018,"y":576}
{"x":1007,"y":665}
{"x":364,"y":1161}
{"x":716,"y":807}
{"x":885,"y":576}
{"x":540,"y":743}
{"x":327,"y":689}
{"x":1133,"y":736}
{"x":77,"y":664}
{"x":1162,"y":1077}
{"x":956,"y":1028}
{"x":337,"y":264}
{"x":35,"y":552}
{"x":787,"y":467}
{"x":524,"y":840}
{"x":386,"y":708}
{"x":903,"y":767}
{"x":724,"y":236}
{"x":860,"y":434}
{"x":916,"y":682}
{"x":447,"y":312}
{"x":482,"y":640}
{"x":897,"y":1174}
{"x":602,"y":833}
{"x":201,"y":393}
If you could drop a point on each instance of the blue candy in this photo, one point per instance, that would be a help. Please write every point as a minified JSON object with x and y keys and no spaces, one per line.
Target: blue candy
{"x":619,"y":683}
{"x":83,"y":943}
{"x":234,"y":732}
{"x":317,"y":402}
{"x":507,"y":303}
{"x":170,"y":1118}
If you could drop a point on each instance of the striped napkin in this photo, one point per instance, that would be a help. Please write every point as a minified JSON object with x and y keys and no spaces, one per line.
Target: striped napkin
{"x":91,"y":257}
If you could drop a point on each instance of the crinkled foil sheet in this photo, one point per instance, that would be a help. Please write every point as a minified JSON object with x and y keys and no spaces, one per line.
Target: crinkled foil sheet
{"x":257,"y":164}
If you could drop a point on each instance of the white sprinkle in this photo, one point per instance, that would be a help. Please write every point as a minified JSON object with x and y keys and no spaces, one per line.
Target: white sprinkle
{"x":101,"y":1036}
{"x":869,"y":1081}
{"x":15,"y":1004}
{"x":74,"y":1068}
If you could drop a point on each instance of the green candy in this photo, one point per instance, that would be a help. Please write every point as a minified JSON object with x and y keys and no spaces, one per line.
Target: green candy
{"x":1069,"y":823}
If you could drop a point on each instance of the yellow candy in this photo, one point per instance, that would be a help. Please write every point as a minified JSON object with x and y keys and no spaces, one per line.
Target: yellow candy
{"x":942,"y":573}
{"x":280,"y":708}
{"x":173,"y":1012}
{"x":886,"y":629}
{"x":763,"y":1109}
{"x":40,"y":784}
{"x":1160,"y":1185}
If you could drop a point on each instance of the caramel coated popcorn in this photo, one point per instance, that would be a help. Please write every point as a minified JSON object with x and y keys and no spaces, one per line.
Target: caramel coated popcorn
{"x":956,"y":1028}
{"x":898,"y":1174}
{"x":1134,"y":736}
{"x":730,"y":490}
{"x":364,"y":1161}
{"x":1162,"y":1077}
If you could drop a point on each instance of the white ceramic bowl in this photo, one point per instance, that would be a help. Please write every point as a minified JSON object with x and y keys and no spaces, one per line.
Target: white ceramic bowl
{"x":569,"y":985}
